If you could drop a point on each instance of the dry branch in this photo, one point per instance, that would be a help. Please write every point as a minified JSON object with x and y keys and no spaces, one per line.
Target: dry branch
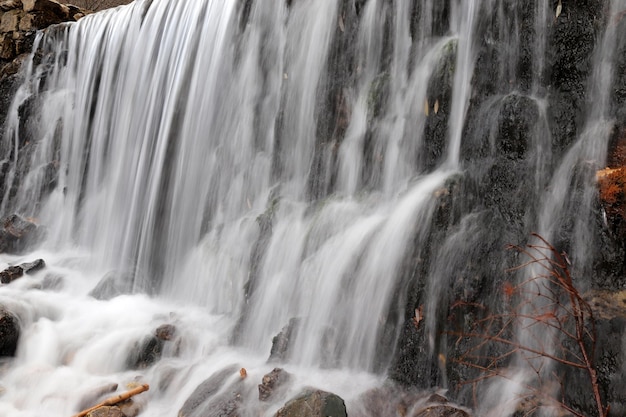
{"x":557,"y":324}
{"x":115,"y":400}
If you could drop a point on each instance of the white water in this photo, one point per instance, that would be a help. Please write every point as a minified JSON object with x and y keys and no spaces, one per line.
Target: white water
{"x":167,"y":183}
{"x":201,"y":140}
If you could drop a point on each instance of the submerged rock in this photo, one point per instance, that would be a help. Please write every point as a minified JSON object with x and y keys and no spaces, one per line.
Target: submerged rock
{"x":314,"y":403}
{"x":201,"y":397}
{"x":112,"y":285}
{"x":9,"y":333}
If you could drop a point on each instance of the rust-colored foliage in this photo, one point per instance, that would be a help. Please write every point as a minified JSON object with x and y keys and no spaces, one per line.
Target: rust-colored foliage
{"x":612,"y":184}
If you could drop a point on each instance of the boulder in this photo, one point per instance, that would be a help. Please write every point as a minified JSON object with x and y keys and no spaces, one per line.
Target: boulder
{"x":314,"y":403}
{"x":9,"y":333}
{"x":273,"y":384}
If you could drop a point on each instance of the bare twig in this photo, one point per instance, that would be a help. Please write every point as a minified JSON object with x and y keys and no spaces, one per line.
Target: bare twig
{"x":557,"y":322}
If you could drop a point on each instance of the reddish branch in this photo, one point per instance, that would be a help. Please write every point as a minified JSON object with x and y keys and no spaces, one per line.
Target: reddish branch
{"x":547,"y":302}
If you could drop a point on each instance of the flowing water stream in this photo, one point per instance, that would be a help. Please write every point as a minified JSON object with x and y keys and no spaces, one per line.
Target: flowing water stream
{"x":198,"y":169}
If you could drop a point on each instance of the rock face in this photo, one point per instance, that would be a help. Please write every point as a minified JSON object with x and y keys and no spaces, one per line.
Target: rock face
{"x":314,"y":403}
{"x":9,"y":333}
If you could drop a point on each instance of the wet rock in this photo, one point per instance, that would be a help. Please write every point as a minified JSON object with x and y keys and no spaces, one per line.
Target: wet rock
{"x":273,"y":384}
{"x":11,"y":274}
{"x":17,"y":234}
{"x":106,"y":412}
{"x":202,"y":395}
{"x":314,"y":403}
{"x":9,"y":333}
{"x":283,"y":341}
{"x":34,"y":266}
{"x":112,"y":285}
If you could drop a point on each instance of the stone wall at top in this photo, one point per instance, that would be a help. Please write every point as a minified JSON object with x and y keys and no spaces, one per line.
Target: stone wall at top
{"x":20,"y":19}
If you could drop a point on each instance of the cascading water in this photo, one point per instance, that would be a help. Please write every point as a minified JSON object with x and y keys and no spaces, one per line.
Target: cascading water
{"x":242,"y":166}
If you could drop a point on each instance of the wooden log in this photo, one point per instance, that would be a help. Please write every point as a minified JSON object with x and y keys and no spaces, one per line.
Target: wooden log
{"x":115,"y":400}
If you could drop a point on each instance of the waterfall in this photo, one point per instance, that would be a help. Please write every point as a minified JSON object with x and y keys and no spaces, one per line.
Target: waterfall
{"x":322,"y":168}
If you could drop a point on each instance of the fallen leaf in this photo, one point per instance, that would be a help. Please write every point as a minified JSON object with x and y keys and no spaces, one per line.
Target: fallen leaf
{"x":559,"y":8}
{"x":426,"y":107}
{"x":436,"y":107}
